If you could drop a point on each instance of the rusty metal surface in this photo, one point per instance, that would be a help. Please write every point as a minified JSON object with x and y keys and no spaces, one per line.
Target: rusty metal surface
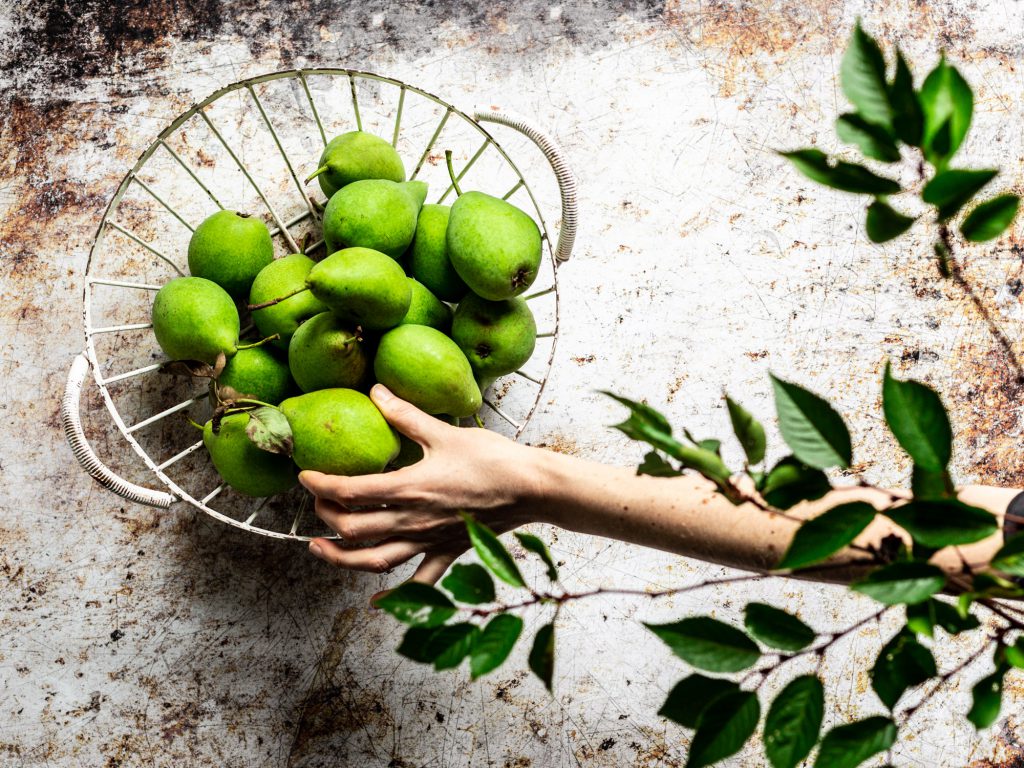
{"x":131,"y":637}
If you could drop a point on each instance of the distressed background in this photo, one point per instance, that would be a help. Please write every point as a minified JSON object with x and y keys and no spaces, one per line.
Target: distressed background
{"x":132,"y":637}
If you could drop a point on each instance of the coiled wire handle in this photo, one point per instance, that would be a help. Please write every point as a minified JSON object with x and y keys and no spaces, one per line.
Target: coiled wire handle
{"x":554,"y":155}
{"x":72,"y":422}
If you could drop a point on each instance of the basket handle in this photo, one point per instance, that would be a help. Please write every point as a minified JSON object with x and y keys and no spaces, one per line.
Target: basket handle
{"x":72,"y":421}
{"x":554,"y":155}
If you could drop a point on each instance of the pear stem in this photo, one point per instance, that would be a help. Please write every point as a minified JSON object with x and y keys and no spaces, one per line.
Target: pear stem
{"x":451,"y":172}
{"x":478,"y":420}
{"x":278,"y":300}
{"x":259,"y":343}
{"x":249,"y":400}
{"x":195,"y":424}
{"x":315,"y":173}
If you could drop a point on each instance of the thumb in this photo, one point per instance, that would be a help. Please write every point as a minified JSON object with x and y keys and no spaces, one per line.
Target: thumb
{"x":405,"y":417}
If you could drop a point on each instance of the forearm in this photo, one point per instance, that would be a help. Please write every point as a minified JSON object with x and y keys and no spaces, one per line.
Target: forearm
{"x":687,"y":516}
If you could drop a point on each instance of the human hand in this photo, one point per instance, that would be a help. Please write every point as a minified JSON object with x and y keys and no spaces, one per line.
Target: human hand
{"x":415,"y":510}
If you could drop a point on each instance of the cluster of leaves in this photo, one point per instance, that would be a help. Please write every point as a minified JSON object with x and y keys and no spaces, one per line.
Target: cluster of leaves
{"x":724,"y":715}
{"x":719,"y":700}
{"x":931,"y":123}
{"x":433,"y":638}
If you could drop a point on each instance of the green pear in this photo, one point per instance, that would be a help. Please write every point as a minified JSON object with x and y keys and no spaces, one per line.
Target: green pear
{"x":279,"y":278}
{"x":494,"y":246}
{"x":425,"y":309}
{"x":326,"y":353}
{"x":195,"y":319}
{"x":355,"y":156}
{"x":428,"y":256}
{"x":340,"y":432}
{"x":258,"y":373}
{"x":230,"y":249}
{"x":497,"y":337}
{"x":422,"y":365}
{"x":243,"y":466}
{"x":373,"y":213}
{"x":363,"y":287}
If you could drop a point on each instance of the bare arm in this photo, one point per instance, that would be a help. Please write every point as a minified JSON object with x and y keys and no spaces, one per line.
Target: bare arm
{"x":414,"y":510}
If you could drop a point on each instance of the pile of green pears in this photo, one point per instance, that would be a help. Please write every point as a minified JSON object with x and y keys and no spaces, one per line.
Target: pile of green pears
{"x":425,"y":299}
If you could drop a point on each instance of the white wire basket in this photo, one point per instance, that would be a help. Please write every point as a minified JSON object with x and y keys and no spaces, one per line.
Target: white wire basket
{"x":246,"y":147}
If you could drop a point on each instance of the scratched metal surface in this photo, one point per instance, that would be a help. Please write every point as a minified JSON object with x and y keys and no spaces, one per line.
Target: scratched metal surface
{"x":132,"y":637}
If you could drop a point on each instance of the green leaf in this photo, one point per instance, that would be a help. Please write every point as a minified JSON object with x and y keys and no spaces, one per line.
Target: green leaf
{"x":794,"y":721}
{"x":943,"y":523}
{"x":790,"y":482}
{"x":535,"y":545}
{"x":923,"y":617}
{"x":776,"y":628}
{"x":947,"y":103}
{"x":902,"y":582}
{"x":862,"y":76}
{"x":656,"y":466}
{"x":847,"y":746}
{"x":415,"y":646}
{"x":883,"y":222}
{"x":846,"y":177}
{"x":821,"y":536}
{"x":931,"y":485}
{"x":988,"y":700}
{"x":542,"y":654}
{"x":748,"y":431}
{"x":708,"y":644}
{"x":417,"y":604}
{"x":724,"y":728}
{"x":269,"y":430}
{"x":901,"y":664}
{"x":445,"y":646}
{"x":988,"y":220}
{"x":649,"y":426}
{"x":917,"y":418}
{"x":811,"y":427}
{"x":1010,"y":557}
{"x":950,"y":190}
{"x":908,"y":120}
{"x":492,"y":552}
{"x":469,"y":584}
{"x":691,"y":696}
{"x":871,"y":138}
{"x":494,"y":644}
{"x":1015,"y":653}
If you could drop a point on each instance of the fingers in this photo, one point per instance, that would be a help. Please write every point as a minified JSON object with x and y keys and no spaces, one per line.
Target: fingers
{"x":363,"y":490}
{"x":406,"y":417}
{"x":433,"y":566}
{"x":367,"y":525}
{"x":377,"y":559}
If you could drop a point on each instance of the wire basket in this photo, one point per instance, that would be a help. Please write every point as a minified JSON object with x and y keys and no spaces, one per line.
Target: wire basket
{"x":246,"y":148}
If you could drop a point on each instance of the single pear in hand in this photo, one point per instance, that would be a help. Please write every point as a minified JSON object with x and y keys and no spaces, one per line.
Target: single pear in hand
{"x":422,"y":365}
{"x":494,"y":246}
{"x":195,"y":319}
{"x":326,"y":353}
{"x":230,"y":249}
{"x":428,"y":256}
{"x":243,"y":466}
{"x":355,"y":156}
{"x":497,"y":337}
{"x":340,"y":432}
{"x":258,"y":373}
{"x":425,"y":309}
{"x":374,"y":213}
{"x":280,"y":278}
{"x":362,"y":286}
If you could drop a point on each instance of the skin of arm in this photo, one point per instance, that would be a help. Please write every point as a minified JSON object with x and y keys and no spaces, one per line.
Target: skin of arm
{"x":415,"y":510}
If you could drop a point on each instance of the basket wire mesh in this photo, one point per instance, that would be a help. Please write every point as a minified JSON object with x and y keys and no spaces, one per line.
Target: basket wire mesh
{"x":237,"y":149}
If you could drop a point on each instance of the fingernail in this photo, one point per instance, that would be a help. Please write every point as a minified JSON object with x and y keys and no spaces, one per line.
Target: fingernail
{"x":314,"y":548}
{"x":304,"y":477}
{"x":382,"y":393}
